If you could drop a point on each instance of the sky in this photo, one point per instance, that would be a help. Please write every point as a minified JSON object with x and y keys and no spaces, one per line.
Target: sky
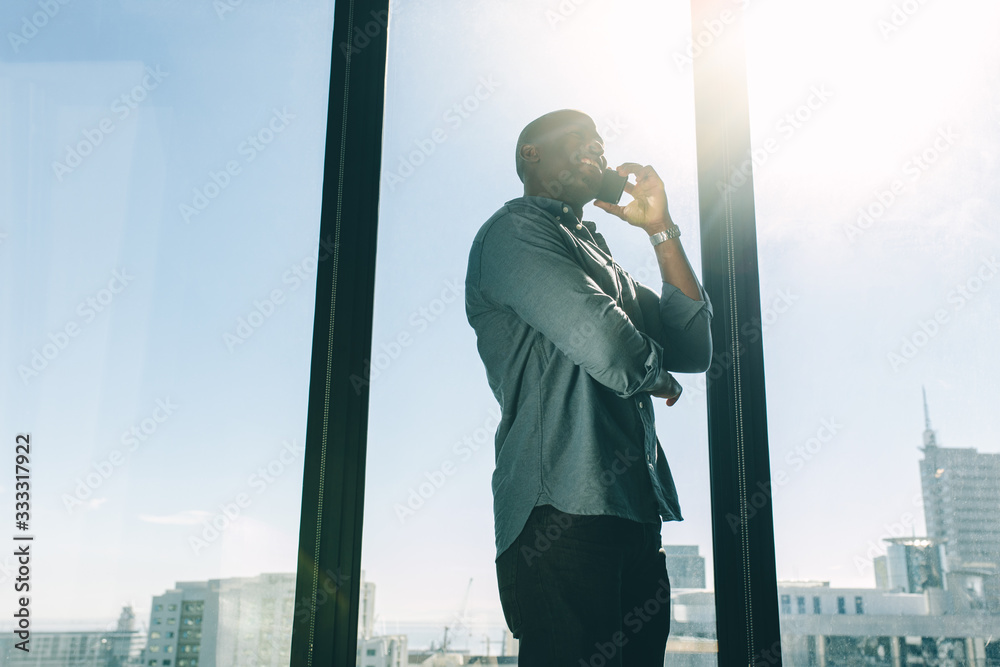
{"x":875,"y":140}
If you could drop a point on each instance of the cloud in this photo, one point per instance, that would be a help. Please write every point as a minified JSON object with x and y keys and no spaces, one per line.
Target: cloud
{"x":185,"y":518}
{"x":93,"y":503}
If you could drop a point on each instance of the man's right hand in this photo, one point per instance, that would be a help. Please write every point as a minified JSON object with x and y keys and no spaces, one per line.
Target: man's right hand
{"x":671,"y":392}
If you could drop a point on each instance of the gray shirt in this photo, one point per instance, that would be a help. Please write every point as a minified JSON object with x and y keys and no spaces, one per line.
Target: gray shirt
{"x":573,"y":346}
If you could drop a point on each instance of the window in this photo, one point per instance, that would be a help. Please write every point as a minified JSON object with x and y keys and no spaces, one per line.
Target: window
{"x":887,"y":197}
{"x":786,"y":604}
{"x":801,"y":604}
{"x":199,"y":322}
{"x":817,"y":606}
{"x":422,"y":344}
{"x":371,"y":651}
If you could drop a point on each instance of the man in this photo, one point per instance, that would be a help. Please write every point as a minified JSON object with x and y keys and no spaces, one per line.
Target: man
{"x":574,"y":349}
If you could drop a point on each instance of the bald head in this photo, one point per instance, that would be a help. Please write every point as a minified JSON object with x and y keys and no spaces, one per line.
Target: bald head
{"x":544,"y":129}
{"x":561,"y":156}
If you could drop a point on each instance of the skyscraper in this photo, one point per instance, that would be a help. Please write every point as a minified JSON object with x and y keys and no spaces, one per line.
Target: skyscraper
{"x":961,"y":491}
{"x":223,"y":623}
{"x":685,"y":568}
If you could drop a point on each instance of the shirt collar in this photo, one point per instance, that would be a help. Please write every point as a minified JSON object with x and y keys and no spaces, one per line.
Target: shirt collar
{"x":564,"y":214}
{"x":553,"y":206}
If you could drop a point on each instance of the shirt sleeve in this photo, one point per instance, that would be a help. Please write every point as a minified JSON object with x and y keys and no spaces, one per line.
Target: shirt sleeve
{"x":527,"y":268}
{"x":681,"y":325}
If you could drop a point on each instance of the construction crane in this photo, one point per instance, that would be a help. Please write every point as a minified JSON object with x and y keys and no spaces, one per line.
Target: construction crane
{"x":459,"y":618}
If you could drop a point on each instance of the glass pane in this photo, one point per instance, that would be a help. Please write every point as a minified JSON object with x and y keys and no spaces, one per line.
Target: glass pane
{"x":875,"y":143}
{"x":162,"y":165}
{"x":463,"y":80}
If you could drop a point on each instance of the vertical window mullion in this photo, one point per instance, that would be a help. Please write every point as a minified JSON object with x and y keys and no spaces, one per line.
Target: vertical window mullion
{"x":329,"y":567}
{"x":743,"y":531}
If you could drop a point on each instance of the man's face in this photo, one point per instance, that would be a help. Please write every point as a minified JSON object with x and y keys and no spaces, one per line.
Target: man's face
{"x":572,"y":160}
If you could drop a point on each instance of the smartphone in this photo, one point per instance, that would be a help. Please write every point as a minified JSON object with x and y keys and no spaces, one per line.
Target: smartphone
{"x":612,"y":186}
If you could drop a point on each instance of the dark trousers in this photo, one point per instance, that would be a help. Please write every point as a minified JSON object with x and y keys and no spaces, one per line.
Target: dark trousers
{"x":586,"y":591}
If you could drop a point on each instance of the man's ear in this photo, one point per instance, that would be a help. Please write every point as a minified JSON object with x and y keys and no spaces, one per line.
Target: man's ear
{"x":529,"y":153}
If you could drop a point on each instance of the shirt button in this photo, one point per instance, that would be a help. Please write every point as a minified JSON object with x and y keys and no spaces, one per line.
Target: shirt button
{"x":640,"y":404}
{"x":651,"y":466}
{"x":565,"y":209}
{"x":558,"y":218}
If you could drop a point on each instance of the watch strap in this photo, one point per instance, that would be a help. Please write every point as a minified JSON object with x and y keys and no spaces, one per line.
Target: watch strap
{"x":672,"y":232}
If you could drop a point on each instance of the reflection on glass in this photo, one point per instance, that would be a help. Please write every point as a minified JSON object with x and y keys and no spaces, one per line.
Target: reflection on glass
{"x":874,"y":173}
{"x":161,"y":193}
{"x":462,"y":81}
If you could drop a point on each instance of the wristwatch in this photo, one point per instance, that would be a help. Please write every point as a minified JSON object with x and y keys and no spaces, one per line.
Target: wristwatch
{"x":672,"y":232}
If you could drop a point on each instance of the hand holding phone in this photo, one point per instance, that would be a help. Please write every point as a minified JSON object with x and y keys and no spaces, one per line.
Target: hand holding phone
{"x":612,"y":186}
{"x":648,"y":208}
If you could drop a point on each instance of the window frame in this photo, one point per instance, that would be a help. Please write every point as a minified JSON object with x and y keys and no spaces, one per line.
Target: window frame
{"x":327,"y":595}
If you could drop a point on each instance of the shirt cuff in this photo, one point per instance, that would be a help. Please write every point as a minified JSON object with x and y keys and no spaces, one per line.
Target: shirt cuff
{"x":677,"y":309}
